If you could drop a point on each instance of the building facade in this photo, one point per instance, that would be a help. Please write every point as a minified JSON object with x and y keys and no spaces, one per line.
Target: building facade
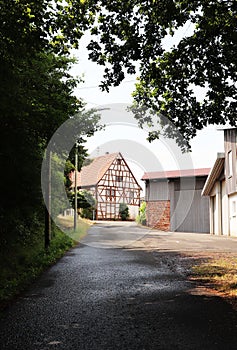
{"x":111,"y":182}
{"x":221,"y":188}
{"x":174,"y":201}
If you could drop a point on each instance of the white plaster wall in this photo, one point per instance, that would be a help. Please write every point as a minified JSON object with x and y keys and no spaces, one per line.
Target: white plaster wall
{"x":233,"y":214}
{"x":225,"y":215}
{"x":133,"y":211}
{"x":216,"y":213}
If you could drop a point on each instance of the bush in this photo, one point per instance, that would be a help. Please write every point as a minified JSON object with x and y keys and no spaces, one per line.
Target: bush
{"x":123,"y":211}
{"x":87,"y":213}
{"x":86,"y":203}
{"x":141,"y":218}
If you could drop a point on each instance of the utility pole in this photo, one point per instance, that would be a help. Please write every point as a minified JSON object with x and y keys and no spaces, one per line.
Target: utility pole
{"x":75,"y":204}
{"x":47,"y":228}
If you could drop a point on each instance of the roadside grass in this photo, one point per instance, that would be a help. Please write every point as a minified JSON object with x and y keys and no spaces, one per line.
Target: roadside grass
{"x":23,"y":263}
{"x":26,"y":262}
{"x":218,"y":273}
{"x":67,"y":225}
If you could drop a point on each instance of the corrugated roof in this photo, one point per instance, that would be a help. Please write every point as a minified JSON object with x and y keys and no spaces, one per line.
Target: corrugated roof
{"x":215,"y":173}
{"x":226,"y":127}
{"x":91,"y":174}
{"x":175,"y":174}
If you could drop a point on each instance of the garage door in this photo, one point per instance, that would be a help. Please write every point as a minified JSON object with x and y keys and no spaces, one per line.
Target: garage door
{"x":190,"y":212}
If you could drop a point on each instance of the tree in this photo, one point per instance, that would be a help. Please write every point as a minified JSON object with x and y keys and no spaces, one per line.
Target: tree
{"x":88,"y":210}
{"x":126,"y":33}
{"x":36,"y":97}
{"x":86,"y":203}
{"x":82,"y":154}
{"x":205,"y":57}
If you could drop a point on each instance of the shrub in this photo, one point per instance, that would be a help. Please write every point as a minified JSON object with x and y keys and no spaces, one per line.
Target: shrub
{"x":88,"y":213}
{"x":86,"y":203}
{"x":141,"y":218}
{"x":123,"y":211}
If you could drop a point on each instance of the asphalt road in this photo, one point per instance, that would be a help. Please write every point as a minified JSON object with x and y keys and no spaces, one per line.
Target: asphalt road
{"x":118,"y":298}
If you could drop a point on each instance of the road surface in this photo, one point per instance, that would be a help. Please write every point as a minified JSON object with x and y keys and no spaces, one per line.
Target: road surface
{"x":111,"y":294}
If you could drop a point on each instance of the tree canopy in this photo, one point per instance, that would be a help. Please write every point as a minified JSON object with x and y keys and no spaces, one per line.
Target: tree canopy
{"x":134,"y":32}
{"x":36,"y":97}
{"x":126,"y":32}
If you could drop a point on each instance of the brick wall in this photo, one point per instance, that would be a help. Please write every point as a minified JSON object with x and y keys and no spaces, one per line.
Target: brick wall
{"x":158,"y":215}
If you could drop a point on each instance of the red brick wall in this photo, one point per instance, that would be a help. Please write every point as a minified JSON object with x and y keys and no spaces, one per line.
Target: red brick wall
{"x":158,"y":215}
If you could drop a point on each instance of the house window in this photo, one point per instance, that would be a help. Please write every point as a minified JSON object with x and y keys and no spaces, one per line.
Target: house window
{"x":118,"y":178}
{"x":230,"y":164}
{"x":233,"y":214}
{"x":119,"y":161}
{"x":110,"y":194}
{"x":131,"y":196}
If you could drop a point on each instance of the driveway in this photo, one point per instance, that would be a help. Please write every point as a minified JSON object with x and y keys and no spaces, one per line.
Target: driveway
{"x":112,"y":234}
{"x":127,"y":298}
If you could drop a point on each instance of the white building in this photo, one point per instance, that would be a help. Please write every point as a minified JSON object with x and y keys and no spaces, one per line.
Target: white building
{"x":221,"y":187}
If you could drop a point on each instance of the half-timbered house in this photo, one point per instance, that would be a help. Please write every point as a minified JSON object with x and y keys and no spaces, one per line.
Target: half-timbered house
{"x":111,"y":182}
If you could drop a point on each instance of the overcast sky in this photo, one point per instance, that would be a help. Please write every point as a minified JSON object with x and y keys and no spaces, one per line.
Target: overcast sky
{"x":121,"y":137}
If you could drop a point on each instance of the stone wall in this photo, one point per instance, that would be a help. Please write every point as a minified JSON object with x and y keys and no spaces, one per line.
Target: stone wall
{"x":158,"y":214}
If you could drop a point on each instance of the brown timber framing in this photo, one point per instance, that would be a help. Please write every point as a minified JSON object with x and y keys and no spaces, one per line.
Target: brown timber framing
{"x":111,"y":182}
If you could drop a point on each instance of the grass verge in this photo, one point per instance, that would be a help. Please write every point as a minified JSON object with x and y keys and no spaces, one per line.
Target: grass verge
{"x":218,"y":272}
{"x":67,"y":225}
{"x":23,"y":263}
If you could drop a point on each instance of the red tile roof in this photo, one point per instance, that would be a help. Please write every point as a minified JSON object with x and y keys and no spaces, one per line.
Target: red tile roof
{"x":91,"y":174}
{"x":176,"y":173}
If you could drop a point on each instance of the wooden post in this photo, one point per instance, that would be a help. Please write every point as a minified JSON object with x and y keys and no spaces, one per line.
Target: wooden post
{"x":47,"y":229}
{"x":96,"y":199}
{"x":75,"y":204}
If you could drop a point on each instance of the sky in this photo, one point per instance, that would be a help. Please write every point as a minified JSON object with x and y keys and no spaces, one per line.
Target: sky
{"x":126,"y":136}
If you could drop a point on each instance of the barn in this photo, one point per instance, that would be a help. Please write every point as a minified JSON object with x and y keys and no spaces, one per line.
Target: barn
{"x":111,"y":182}
{"x":221,"y":187}
{"x":174,"y":201}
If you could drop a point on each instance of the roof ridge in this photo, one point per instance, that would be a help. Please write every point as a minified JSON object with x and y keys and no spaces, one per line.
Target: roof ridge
{"x":91,"y":174}
{"x":176,"y":173}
